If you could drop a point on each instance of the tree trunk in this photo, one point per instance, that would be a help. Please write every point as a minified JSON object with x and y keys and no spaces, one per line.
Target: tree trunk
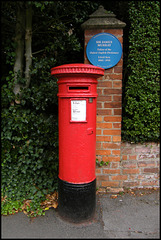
{"x":19,"y":40}
{"x":23,"y":35}
{"x":28,"y":42}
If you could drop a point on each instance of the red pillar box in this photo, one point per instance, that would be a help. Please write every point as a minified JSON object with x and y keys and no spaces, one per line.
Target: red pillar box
{"x":77,"y":139}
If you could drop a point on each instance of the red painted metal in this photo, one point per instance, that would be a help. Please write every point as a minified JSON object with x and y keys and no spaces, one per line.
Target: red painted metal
{"x":77,"y":121}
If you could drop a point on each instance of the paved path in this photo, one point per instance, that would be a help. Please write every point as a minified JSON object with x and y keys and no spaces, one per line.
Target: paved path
{"x":127,"y":216}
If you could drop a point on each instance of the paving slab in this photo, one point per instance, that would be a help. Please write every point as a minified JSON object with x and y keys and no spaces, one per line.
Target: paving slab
{"x":131,"y":215}
{"x":117,"y":216}
{"x":51,"y":226}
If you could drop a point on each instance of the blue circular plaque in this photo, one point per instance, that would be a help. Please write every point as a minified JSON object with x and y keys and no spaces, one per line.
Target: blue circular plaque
{"x":104,"y":50}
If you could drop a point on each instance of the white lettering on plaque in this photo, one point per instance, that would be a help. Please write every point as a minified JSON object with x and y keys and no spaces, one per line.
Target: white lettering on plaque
{"x":78,"y":110}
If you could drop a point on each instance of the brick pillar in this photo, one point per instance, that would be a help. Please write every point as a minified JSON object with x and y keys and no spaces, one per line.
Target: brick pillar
{"x":109,"y":105}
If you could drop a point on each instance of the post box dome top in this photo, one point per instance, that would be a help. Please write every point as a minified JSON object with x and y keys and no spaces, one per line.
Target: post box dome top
{"x":77,"y":68}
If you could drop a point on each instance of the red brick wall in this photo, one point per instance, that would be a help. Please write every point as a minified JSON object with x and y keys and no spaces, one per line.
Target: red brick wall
{"x":139,"y":168}
{"x":140,"y":164}
{"x":128,"y":165}
{"x":109,"y":110}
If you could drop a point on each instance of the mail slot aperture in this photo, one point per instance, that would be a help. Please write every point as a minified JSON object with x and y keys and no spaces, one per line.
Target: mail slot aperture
{"x":78,"y":88}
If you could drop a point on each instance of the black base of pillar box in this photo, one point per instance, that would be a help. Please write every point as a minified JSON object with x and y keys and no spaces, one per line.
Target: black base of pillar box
{"x":76,"y":202}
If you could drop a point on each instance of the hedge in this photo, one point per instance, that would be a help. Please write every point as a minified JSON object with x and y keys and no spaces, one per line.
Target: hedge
{"x":141,"y":104}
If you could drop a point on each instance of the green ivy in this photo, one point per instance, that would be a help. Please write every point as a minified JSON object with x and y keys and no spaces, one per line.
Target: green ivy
{"x":29,"y":140}
{"x":141,"y":119}
{"x":101,"y":163}
{"x":29,"y":124}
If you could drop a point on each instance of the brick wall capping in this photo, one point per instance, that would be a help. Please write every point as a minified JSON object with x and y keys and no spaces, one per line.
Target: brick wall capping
{"x":102,"y":19}
{"x":101,"y":12}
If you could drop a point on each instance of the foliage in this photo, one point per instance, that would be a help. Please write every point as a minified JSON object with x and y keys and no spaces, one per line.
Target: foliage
{"x":30,"y":124}
{"x":29,"y":154}
{"x":101,"y":163}
{"x":141,"y":119}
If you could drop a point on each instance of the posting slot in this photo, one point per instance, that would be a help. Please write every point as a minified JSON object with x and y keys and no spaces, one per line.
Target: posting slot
{"x":78,"y":88}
